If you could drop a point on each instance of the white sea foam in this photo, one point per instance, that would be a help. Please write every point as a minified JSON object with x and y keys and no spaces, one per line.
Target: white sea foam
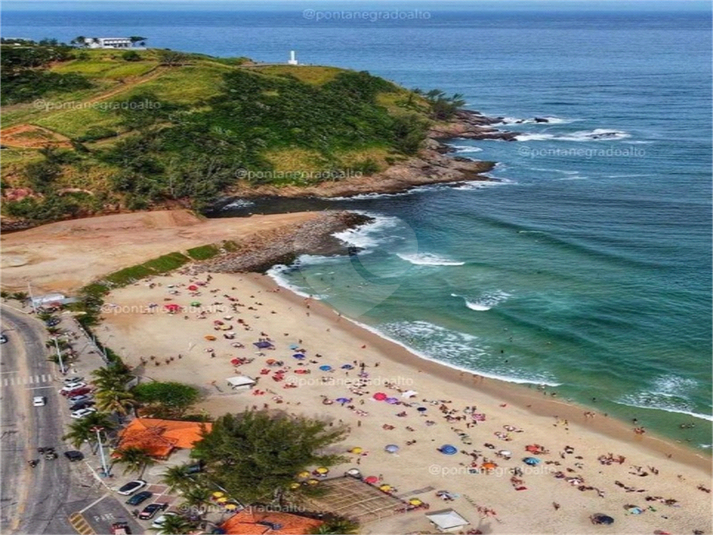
{"x":486,"y":301}
{"x":598,"y":134}
{"x":466,"y":148}
{"x":368,"y":236}
{"x":428,"y":259}
{"x":278,"y":274}
{"x":238,"y":203}
{"x":667,"y":393}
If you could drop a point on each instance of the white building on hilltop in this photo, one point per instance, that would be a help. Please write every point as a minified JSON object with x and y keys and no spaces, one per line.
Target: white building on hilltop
{"x":108,"y":42}
{"x":293,"y":59}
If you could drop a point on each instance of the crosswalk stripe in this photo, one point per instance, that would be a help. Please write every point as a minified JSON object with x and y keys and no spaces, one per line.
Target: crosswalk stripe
{"x":37,"y":378}
{"x":29,"y":380}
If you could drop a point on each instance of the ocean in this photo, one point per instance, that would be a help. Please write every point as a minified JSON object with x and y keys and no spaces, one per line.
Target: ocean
{"x":587,"y":266}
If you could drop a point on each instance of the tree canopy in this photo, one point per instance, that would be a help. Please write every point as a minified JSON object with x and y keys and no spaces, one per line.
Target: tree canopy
{"x":166,"y":400}
{"x":255,"y":456}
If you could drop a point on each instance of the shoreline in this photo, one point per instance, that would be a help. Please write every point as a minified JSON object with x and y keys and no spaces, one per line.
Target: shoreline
{"x":516,"y":394}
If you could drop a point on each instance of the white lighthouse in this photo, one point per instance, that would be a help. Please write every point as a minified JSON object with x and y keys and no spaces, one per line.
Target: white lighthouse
{"x":293,"y":59}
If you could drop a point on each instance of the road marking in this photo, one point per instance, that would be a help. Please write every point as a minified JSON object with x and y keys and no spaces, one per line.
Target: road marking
{"x":3,"y":373}
{"x":38,"y":387}
{"x":80,"y":524}
{"x":29,"y":380}
{"x":93,"y":503}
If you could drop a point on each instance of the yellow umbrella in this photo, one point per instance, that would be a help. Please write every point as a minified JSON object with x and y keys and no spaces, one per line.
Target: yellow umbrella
{"x":303,"y":475}
{"x":231,"y":507}
{"x":356,"y":450}
{"x":294,"y":486}
{"x":385,"y":488}
{"x":218,"y":494}
{"x":312,"y":482}
{"x":322,"y":470}
{"x":209,"y":337}
{"x":415,"y":501}
{"x":222,"y":500}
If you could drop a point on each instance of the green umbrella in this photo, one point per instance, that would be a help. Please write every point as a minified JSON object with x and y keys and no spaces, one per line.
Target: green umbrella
{"x":196,"y":304}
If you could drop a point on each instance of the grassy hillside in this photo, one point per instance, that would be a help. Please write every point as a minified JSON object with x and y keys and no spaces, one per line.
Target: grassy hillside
{"x":91,"y":131}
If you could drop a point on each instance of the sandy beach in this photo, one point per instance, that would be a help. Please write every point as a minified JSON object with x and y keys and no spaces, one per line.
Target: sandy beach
{"x":590,"y":464}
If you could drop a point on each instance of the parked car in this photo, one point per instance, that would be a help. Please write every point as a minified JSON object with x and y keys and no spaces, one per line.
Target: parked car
{"x":151,"y":509}
{"x":74,"y":455}
{"x":131,"y":487}
{"x":86,"y":392}
{"x":120,"y":528}
{"x":39,"y":401}
{"x":80,"y":398}
{"x":67,"y":390}
{"x":156,"y":524}
{"x":81,"y":405}
{"x":52,"y":322}
{"x":68,"y":381}
{"x":81,"y":413}
{"x":140,"y":497}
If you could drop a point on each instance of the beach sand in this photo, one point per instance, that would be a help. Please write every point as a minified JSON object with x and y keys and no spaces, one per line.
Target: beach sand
{"x":545,"y":504}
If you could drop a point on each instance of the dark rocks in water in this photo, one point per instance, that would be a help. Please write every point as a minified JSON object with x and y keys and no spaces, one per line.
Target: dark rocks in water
{"x":261,"y":251}
{"x":541,"y":120}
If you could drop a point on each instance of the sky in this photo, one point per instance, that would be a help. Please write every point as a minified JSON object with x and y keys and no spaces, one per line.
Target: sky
{"x":217,"y":5}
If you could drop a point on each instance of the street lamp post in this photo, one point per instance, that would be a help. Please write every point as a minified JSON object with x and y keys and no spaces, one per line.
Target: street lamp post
{"x":59,"y":356}
{"x":97,"y":430}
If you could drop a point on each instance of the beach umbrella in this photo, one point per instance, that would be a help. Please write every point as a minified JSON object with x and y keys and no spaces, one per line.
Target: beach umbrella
{"x":235,"y":362}
{"x":209,"y":337}
{"x":218,"y":494}
{"x":532,"y":461}
{"x":342,"y":400}
{"x":489,"y":466}
{"x":380,"y":396}
{"x":354,"y":472}
{"x":294,"y":346}
{"x":313,"y":482}
{"x":505,"y":453}
{"x":222,"y":499}
{"x":634,"y":510}
{"x":193,"y":287}
{"x":372,"y":479}
{"x":298,"y":356}
{"x":325,"y":368}
{"x":270,"y":361}
{"x":422,"y":409}
{"x":447,"y":449}
{"x":385,"y":488}
{"x":356,"y":450}
{"x":234,"y":506}
{"x":303,"y":475}
{"x":392,"y":448}
{"x":172,"y":307}
{"x":392,"y":401}
{"x":533,"y":448}
{"x":600,"y":518}
{"x":347,"y":367}
{"x":294,"y":486}
{"x":415,"y":501}
{"x":195,"y":303}
{"x":322,"y":470}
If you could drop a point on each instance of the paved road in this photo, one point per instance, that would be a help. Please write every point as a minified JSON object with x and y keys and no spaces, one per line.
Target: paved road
{"x":40,"y":500}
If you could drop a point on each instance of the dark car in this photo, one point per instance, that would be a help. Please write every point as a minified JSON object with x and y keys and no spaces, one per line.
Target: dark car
{"x":74,"y":455}
{"x":150,"y":510}
{"x":52,"y":322}
{"x":141,"y":497}
{"x":81,"y":405}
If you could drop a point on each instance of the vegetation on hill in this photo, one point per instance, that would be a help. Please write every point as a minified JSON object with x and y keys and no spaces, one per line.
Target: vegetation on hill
{"x":137,"y":129}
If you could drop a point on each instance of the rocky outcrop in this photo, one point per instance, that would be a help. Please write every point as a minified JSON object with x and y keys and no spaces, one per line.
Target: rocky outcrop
{"x":469,"y":124}
{"x":262,"y":250}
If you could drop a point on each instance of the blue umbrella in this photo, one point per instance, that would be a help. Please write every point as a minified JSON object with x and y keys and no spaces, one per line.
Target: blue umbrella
{"x":298,"y":356}
{"x":342,"y":400}
{"x":325,"y":368}
{"x":447,"y":449}
{"x":532,"y":461}
{"x":392,"y":448}
{"x":422,"y":409}
{"x":294,"y":346}
{"x":347,"y":367}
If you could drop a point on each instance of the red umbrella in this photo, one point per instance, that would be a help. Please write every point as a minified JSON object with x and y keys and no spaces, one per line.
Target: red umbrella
{"x":372,"y":479}
{"x":235,"y":362}
{"x":173,"y":307}
{"x":380,"y":396}
{"x":193,"y":287}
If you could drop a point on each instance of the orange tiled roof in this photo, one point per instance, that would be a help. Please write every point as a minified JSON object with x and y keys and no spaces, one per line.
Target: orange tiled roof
{"x":246,"y":523}
{"x":159,"y":437}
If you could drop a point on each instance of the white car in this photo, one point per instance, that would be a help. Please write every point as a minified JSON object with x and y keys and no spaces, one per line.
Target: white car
{"x":81,"y":413}
{"x":39,"y":401}
{"x":131,"y":487}
{"x":156,"y":524}
{"x":70,"y":381}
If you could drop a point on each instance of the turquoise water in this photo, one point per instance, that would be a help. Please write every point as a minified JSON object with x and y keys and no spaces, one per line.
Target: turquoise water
{"x":589,"y":266}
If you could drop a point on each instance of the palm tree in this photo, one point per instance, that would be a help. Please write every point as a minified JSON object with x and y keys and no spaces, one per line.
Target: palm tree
{"x":81,"y":431}
{"x":79,"y":40}
{"x":197,"y":497}
{"x":338,"y":526}
{"x":114,"y":376}
{"x":173,"y":525}
{"x":178,"y":478}
{"x":135,"y":459}
{"x":118,"y":401}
